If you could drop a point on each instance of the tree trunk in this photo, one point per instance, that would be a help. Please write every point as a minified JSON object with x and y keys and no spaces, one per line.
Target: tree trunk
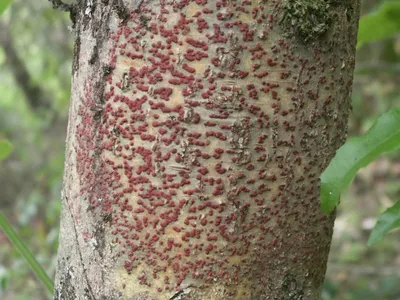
{"x":198,"y":130}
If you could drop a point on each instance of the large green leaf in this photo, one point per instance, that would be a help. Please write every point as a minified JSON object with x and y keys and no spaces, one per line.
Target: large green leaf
{"x":5,"y":149}
{"x":24,"y":251}
{"x":357,"y":152}
{"x":388,"y":220}
{"x":382,"y":24}
{"x":3,"y":5}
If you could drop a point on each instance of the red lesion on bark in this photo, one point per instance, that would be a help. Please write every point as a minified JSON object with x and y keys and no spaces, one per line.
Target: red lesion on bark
{"x":176,"y":167}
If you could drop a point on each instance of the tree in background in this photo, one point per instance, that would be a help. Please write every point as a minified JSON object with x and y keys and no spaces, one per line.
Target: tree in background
{"x":197,"y":134}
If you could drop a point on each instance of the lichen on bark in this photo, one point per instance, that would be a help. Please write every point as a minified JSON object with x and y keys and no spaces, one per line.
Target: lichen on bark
{"x":307,"y":19}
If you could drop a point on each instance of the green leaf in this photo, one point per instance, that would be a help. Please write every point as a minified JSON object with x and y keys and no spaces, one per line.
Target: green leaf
{"x":3,"y":5}
{"x":26,"y":254}
{"x":5,"y":149}
{"x":357,"y":152}
{"x":382,"y":24}
{"x":388,"y":220}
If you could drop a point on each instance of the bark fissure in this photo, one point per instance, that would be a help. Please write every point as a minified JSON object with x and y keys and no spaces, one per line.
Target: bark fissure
{"x":81,"y":260}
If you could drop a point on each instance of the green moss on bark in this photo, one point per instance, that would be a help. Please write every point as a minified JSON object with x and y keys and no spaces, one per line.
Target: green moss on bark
{"x":306,"y":19}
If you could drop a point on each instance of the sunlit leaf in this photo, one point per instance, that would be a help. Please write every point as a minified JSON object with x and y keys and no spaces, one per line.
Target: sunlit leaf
{"x":5,"y":149}
{"x":3,"y":5}
{"x":357,"y":152}
{"x":382,"y":24}
{"x":388,"y":220}
{"x":26,"y":254}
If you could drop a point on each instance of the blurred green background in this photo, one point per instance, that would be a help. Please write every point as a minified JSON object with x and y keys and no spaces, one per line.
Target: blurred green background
{"x":35,"y":61}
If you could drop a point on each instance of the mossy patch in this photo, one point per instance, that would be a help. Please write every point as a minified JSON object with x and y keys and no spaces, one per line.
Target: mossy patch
{"x":306,"y":19}
{"x":291,"y":288}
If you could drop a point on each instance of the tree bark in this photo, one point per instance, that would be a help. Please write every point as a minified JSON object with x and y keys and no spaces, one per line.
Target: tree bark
{"x":197,"y":133}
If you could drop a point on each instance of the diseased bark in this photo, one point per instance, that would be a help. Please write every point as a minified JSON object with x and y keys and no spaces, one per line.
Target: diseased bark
{"x":197,"y":133}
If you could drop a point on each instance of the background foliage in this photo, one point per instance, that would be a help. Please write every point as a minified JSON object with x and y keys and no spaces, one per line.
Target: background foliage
{"x":35,"y":61}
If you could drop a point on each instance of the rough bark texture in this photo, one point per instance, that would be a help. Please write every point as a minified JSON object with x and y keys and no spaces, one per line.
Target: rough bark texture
{"x":198,"y":130}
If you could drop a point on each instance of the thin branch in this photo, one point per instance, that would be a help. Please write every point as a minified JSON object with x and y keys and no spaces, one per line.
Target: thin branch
{"x":34,"y":94}
{"x":58,"y":4}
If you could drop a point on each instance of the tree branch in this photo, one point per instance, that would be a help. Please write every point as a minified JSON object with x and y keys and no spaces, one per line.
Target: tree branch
{"x":58,"y":4}
{"x":34,"y":94}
